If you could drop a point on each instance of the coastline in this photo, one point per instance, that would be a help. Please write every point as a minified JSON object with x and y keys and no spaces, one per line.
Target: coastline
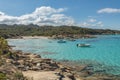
{"x":34,"y":67}
{"x":34,"y":37}
{"x":67,"y":37}
{"x":84,"y":74}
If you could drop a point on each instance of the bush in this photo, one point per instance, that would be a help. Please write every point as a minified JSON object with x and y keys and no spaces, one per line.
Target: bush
{"x":19,"y":76}
{"x":3,"y":46}
{"x":2,"y":76}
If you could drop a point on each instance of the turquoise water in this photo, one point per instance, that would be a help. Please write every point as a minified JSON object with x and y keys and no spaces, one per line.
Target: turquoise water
{"x":104,"y":50}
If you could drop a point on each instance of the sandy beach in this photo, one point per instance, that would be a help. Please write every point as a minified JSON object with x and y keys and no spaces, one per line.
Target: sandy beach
{"x":35,"y":37}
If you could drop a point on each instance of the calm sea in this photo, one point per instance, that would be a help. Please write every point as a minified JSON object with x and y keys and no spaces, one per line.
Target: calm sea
{"x":104,"y":52}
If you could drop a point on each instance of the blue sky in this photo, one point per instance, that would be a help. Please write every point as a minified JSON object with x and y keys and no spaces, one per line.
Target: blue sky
{"x":85,"y":13}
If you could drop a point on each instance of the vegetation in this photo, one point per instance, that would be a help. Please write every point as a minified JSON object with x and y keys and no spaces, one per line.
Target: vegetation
{"x":3,"y":76}
{"x":8,"y":70}
{"x":8,"y":31}
{"x":18,"y":76}
{"x":4,"y":49}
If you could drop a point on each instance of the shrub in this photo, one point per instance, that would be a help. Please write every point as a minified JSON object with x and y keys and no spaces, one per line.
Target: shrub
{"x":2,"y":76}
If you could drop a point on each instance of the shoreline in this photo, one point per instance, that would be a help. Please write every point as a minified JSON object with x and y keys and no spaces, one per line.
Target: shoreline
{"x":85,"y":72}
{"x":68,"y":37}
{"x":42,"y":37}
{"x":34,"y":67}
{"x":55,"y":70}
{"x":34,"y":37}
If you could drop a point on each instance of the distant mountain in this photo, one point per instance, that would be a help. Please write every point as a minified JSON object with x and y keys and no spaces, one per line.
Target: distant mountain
{"x":9,"y":31}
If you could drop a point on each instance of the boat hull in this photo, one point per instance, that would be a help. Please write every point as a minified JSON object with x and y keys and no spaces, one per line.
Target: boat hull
{"x":83,"y":45}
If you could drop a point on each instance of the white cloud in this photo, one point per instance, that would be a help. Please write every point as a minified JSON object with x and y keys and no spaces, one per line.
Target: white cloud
{"x":109,"y":10}
{"x":1,"y":14}
{"x":47,"y":10}
{"x":91,"y":23}
{"x":84,"y":24}
{"x":92,"y":20}
{"x":41,"y":16}
{"x":98,"y":24}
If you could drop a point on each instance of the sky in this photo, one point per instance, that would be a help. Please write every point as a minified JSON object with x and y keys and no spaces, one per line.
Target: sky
{"x":100,"y":14}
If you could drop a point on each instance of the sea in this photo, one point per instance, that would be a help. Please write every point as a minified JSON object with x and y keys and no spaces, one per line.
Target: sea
{"x":103,"y":53}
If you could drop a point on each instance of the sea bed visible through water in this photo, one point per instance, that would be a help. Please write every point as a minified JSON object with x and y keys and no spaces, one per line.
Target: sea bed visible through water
{"x":103,"y":54}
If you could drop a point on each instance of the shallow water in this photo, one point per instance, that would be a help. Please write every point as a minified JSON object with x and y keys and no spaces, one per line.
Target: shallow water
{"x":103,"y":53}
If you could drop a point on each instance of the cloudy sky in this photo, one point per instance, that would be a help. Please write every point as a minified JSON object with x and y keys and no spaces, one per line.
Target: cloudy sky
{"x":85,"y":13}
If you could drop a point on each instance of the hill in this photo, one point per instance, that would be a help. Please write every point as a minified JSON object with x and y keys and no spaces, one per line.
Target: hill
{"x":8,"y":31}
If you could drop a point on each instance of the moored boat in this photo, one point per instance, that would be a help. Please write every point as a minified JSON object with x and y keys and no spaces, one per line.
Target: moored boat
{"x":61,"y":41}
{"x":83,"y":45}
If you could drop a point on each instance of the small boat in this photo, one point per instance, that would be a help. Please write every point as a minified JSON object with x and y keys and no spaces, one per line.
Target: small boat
{"x":83,"y":45}
{"x":61,"y":41}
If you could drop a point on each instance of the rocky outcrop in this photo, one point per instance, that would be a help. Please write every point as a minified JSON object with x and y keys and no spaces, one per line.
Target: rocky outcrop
{"x":10,"y":72}
{"x":33,"y":62}
{"x":25,"y":62}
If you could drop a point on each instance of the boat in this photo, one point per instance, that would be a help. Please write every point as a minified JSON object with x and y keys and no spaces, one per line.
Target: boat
{"x":61,"y":41}
{"x":83,"y":45}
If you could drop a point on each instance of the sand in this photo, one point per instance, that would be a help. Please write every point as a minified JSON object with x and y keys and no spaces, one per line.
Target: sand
{"x":35,"y":37}
{"x":43,"y":75}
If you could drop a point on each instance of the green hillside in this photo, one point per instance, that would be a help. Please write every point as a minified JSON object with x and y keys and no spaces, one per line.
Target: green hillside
{"x":8,"y":31}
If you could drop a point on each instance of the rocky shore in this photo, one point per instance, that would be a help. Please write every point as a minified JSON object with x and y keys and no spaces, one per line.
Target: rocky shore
{"x":27,"y":62}
{"x":17,"y":65}
{"x":33,"y":67}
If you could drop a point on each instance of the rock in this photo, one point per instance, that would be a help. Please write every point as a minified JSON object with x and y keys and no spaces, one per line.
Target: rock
{"x":38,"y":64}
{"x":45,"y":60}
{"x":64,"y":69}
{"x":9,"y":60}
{"x":54,"y":64}
{"x":21,"y":61}
{"x":27,"y":53}
{"x":37,"y":56}
{"x":27,"y":67}
{"x":36,"y":68}
{"x":32,"y":56}
{"x":66,"y":78}
{"x":71,"y":76}
{"x":61,"y":75}
{"x":23,"y":57}
{"x":15,"y":63}
{"x":36,"y":60}
{"x":18,"y":52}
{"x":21,"y":67}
